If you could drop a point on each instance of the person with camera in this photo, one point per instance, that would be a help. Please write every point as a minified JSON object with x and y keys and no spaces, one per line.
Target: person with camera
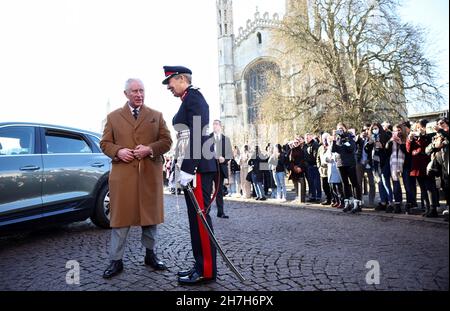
{"x":312,"y":174}
{"x":323,"y":168}
{"x":334,"y":177}
{"x":438,"y":150}
{"x":441,"y":145}
{"x":257,"y":171}
{"x":364,"y":165}
{"x":235,"y":173}
{"x":345,"y":147}
{"x":297,"y":167}
{"x":408,"y":181}
{"x":417,"y":142}
{"x":395,"y":152}
{"x":376,"y":146}
{"x":246,"y":185}
{"x":278,"y":160}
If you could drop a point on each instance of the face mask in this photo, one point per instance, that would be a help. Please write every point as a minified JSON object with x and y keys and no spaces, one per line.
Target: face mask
{"x":339,"y":132}
{"x":376,"y":131}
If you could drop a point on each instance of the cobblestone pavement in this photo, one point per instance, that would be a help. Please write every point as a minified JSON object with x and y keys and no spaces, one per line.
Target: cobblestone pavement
{"x":281,"y":247}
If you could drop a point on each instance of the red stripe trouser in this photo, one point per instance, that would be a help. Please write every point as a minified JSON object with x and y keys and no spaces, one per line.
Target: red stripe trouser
{"x":203,"y":249}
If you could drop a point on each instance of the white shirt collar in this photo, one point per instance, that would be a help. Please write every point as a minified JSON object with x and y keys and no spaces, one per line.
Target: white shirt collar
{"x":131,"y":108}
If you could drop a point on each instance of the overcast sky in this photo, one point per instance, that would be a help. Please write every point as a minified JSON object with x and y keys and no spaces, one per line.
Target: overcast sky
{"x":61,"y":61}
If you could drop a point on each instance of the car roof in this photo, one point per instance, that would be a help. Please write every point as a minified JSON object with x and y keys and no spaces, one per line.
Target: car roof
{"x":59,"y":127}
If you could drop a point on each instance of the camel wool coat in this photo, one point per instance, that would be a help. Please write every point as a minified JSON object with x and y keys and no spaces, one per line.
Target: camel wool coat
{"x":136,"y":188}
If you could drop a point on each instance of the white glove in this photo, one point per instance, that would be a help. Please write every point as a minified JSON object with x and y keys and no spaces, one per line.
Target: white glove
{"x":185,"y":178}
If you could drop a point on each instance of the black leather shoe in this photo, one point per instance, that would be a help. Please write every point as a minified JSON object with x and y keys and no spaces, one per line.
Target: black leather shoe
{"x":184,"y":273}
{"x":223,"y":216}
{"x":389,"y":209}
{"x":432,"y":213}
{"x":194,"y":279}
{"x":114,"y":268}
{"x":153,"y":261}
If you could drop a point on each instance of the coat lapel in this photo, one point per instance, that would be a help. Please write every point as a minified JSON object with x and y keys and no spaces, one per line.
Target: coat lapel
{"x":126,"y":114}
{"x":143,"y":114}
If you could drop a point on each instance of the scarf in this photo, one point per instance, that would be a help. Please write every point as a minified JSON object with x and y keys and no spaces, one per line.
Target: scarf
{"x":396,"y":161}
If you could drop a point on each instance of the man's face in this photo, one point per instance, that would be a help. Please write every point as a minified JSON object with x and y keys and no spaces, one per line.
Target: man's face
{"x":177,"y":86}
{"x":217,"y":127}
{"x":308,"y":137}
{"x":365,"y":132}
{"x":443,"y":125}
{"x":135,"y":94}
{"x":340,"y":128}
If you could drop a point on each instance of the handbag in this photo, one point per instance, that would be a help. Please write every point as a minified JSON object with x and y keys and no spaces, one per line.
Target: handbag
{"x":249,"y":177}
{"x":433,"y":168}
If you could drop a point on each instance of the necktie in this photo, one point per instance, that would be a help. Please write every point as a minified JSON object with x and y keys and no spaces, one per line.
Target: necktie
{"x":135,"y":113}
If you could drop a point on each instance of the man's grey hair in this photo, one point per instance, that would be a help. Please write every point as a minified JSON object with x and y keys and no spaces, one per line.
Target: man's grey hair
{"x":187,"y":76}
{"x":131,"y":80}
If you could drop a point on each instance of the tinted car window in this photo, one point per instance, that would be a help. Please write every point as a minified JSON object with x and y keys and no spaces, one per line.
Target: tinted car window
{"x":16,"y":140}
{"x":96,"y":140}
{"x":66,"y":143}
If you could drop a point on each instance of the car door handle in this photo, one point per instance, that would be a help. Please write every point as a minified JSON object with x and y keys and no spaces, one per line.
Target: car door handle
{"x":97,"y":164}
{"x":30,"y":168}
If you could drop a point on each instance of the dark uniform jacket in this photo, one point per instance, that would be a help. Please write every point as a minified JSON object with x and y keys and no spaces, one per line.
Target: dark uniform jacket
{"x":194,"y":105}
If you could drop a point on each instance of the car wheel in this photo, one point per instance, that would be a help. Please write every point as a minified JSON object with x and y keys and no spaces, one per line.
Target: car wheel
{"x":101,"y":215}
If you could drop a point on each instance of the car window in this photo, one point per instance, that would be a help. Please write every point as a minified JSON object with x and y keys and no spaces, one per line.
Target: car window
{"x":66,"y":143}
{"x":96,"y":140}
{"x":16,"y":140}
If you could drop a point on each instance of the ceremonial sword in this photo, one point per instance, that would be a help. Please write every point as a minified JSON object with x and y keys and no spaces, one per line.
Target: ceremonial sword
{"x":213,"y":238}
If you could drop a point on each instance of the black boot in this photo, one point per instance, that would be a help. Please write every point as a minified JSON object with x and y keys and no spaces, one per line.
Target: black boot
{"x":356,"y":206}
{"x":432,"y":213}
{"x":153,"y":261}
{"x":326,"y":202}
{"x":348,"y":206}
{"x":408,"y":207}
{"x":185,"y":273}
{"x":380,"y":207}
{"x":389,"y":208}
{"x":114,"y":268}
{"x":397,"y":208}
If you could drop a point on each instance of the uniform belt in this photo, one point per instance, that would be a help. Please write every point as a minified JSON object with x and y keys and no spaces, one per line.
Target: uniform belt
{"x":183,"y":134}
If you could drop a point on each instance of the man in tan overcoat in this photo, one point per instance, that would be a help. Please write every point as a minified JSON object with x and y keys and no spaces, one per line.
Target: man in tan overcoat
{"x":135,"y":137}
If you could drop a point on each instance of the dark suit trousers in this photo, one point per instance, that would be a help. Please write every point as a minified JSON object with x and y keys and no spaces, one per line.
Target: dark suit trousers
{"x":219,"y":197}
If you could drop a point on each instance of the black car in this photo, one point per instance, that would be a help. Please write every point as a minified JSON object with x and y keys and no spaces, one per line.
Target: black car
{"x":51,"y":175}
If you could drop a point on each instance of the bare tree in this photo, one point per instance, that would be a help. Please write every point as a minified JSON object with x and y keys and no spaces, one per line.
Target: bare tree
{"x":353,"y":61}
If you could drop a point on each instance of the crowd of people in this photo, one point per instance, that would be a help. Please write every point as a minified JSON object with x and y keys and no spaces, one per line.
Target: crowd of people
{"x":341,"y":167}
